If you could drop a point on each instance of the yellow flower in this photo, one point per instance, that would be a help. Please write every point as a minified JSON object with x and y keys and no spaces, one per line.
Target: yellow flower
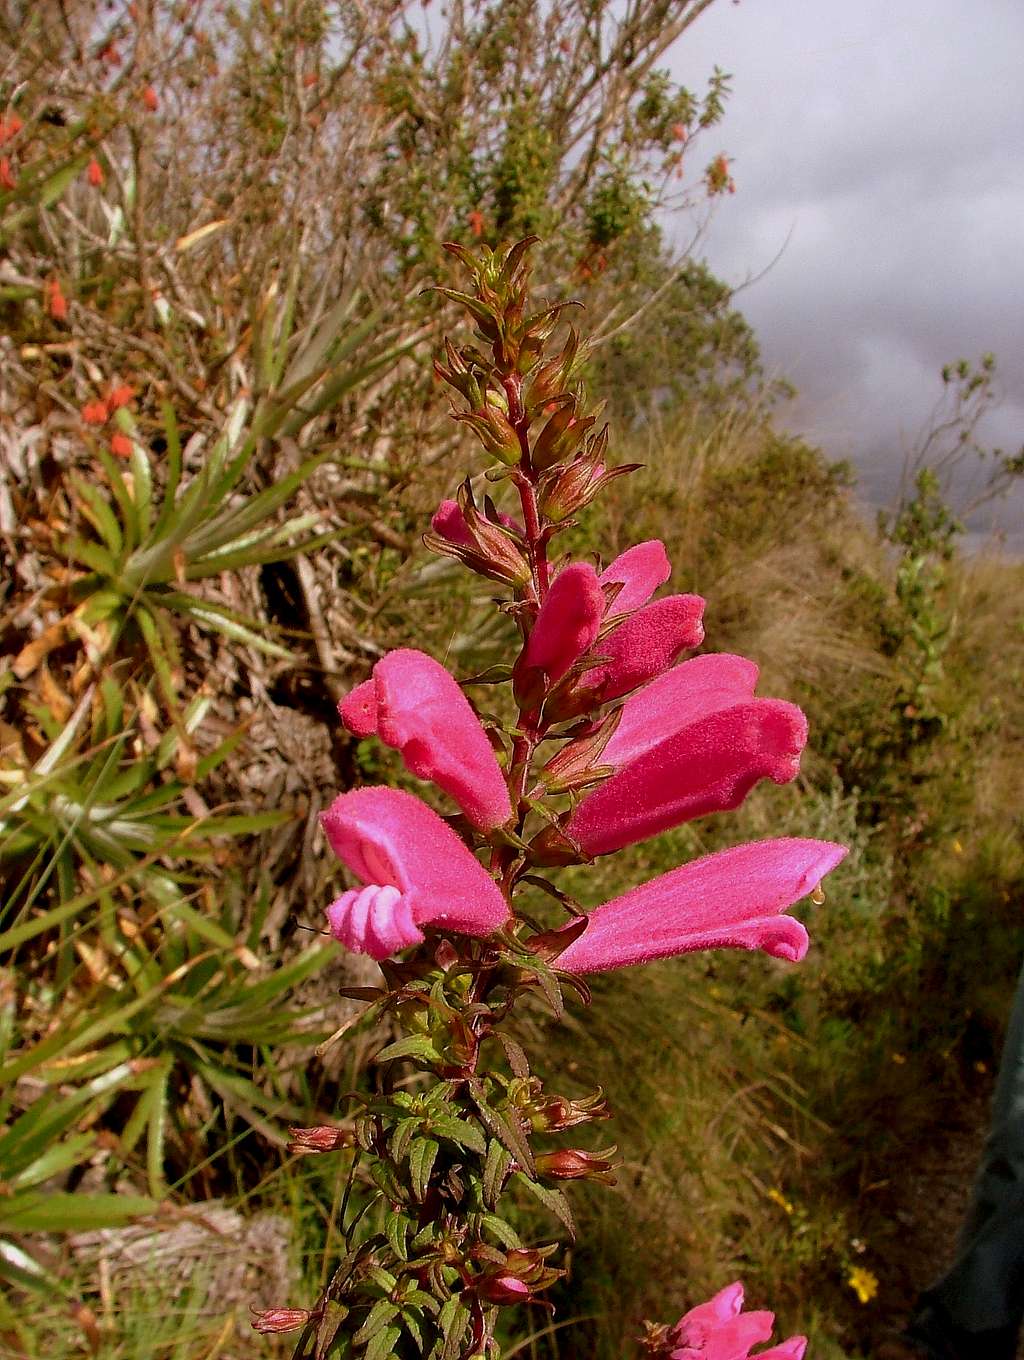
{"x":958,"y":847}
{"x":863,"y":1283}
{"x":780,"y":1199}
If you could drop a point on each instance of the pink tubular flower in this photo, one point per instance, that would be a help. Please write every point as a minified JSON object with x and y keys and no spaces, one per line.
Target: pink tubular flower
{"x":693,"y":690}
{"x":648,"y":643}
{"x":567,"y":623}
{"x":413,"y":704}
{"x":416,"y":871}
{"x":735,"y":899}
{"x":641,"y":570}
{"x":720,"y":1330}
{"x":708,"y":766}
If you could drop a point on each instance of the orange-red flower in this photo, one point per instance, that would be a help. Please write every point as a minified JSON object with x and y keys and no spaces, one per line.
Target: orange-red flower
{"x":95,"y":412}
{"x":7,"y":176}
{"x":56,"y":302}
{"x":150,"y":99}
{"x":10,"y":127}
{"x":120,"y":396}
{"x":94,"y":173}
{"x":121,"y":445}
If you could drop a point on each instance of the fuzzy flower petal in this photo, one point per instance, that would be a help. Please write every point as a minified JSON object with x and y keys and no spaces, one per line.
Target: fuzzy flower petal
{"x":567,"y":623}
{"x":450,"y":523}
{"x":734,"y":899}
{"x":683,"y":695}
{"x":722,"y":1307}
{"x":709,"y":766}
{"x":416,"y":871}
{"x":719,"y":1330}
{"x":641,"y":569}
{"x":793,"y":1349}
{"x":646,"y":644}
{"x":413,"y":704}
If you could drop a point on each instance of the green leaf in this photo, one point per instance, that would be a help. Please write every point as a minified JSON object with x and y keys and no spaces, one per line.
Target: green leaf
{"x":452,"y":1322}
{"x":383,"y":1344}
{"x":48,"y":1211}
{"x":507,"y":1131}
{"x":417,"y":1046}
{"x":401,"y":1138}
{"x":382,"y":1312}
{"x":553,"y":1200}
{"x":422,"y":1156}
{"x":496,"y":1170}
{"x":459,"y":1131}
{"x":396,"y":1230}
{"x":503,"y":1231}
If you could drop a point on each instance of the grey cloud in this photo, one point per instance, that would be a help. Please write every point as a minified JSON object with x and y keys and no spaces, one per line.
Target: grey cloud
{"x":885,"y":141}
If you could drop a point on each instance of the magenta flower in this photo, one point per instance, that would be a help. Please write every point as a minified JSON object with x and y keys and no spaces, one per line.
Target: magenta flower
{"x":735,"y":899}
{"x":688,"y":692}
{"x":720,"y":1330}
{"x":641,"y":570}
{"x":647,"y":643}
{"x":413,"y":704}
{"x":415,"y":869}
{"x":567,"y":623}
{"x":708,"y":766}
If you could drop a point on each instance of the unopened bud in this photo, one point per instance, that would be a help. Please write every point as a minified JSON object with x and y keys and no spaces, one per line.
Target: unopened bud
{"x":575,"y":1164}
{"x":280,"y":1320}
{"x":504,"y":1289}
{"x":574,"y":486}
{"x":446,"y":956}
{"x":320,"y":1138}
{"x":561,"y":435}
{"x":559,"y":1113}
{"x":487,"y":546}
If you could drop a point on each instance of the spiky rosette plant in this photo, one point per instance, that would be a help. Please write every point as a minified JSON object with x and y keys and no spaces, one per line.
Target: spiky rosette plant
{"x":615,"y":738}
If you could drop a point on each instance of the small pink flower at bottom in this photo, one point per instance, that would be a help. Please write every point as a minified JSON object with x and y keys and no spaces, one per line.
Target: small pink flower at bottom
{"x":415,"y":869}
{"x":720,"y":1330}
{"x":735,"y":899}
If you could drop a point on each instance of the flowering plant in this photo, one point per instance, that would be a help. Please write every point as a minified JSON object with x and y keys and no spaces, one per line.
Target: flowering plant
{"x":615,"y":738}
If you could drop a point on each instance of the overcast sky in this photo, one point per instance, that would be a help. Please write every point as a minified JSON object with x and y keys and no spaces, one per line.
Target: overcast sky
{"x":884,"y":141}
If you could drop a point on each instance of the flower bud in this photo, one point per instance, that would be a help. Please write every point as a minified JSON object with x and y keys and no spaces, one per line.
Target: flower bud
{"x":575,"y":1164}
{"x":565,"y":628}
{"x":485,"y":545}
{"x":549,"y":1114}
{"x":491,"y":426}
{"x":280,"y":1320}
{"x":578,"y":763}
{"x":320,"y":1138}
{"x":569,"y":489}
{"x":504,"y":1289}
{"x":563,"y":433}
{"x":518,"y":1278}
